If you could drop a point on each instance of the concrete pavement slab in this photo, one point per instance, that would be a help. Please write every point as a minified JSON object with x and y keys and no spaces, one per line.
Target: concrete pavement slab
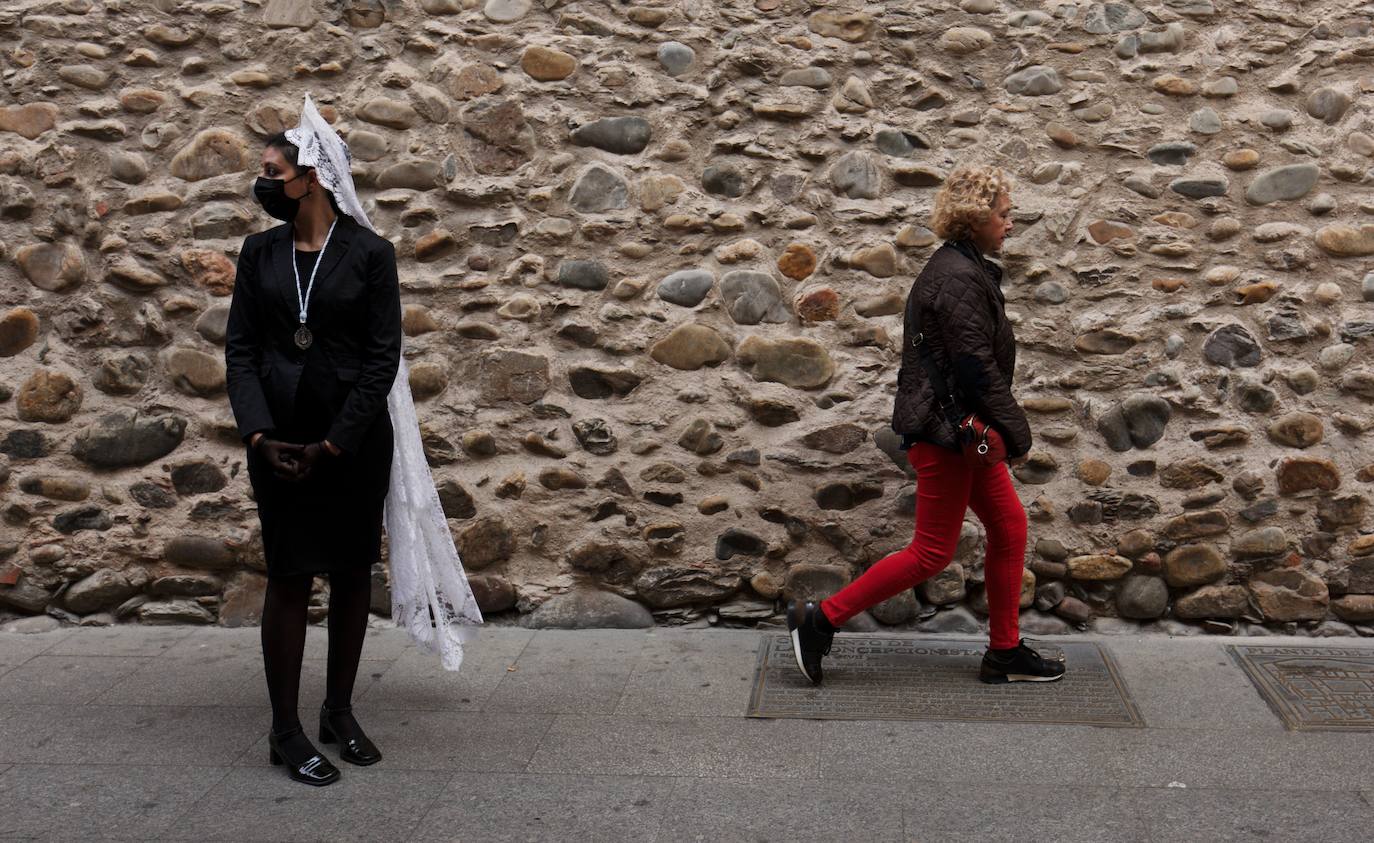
{"x":212,"y":679}
{"x":120,"y":641}
{"x":785,"y":810}
{"x":59,"y":680}
{"x":682,"y":746}
{"x":134,"y":735}
{"x":491,"y":808}
{"x":938,"y":811}
{"x":1229,"y":814}
{"x":365,"y":804}
{"x":691,"y":673}
{"x":569,"y":672}
{"x":416,"y":680}
{"x":1164,"y":675}
{"x":83,"y":802}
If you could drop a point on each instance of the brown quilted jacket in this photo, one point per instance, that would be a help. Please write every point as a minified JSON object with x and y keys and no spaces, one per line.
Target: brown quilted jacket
{"x":963,"y":317}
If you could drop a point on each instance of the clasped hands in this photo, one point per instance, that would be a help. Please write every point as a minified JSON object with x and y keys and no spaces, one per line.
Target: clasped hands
{"x":292,"y":462}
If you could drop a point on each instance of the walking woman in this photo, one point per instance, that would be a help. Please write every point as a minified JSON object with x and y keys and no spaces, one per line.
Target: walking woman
{"x":313,"y":349}
{"x":958,"y":355}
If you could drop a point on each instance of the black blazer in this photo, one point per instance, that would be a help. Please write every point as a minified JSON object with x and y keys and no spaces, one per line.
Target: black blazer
{"x":354,"y":314}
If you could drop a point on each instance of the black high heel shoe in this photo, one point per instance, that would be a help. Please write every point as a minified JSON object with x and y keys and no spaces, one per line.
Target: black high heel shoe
{"x":303,"y":763}
{"x":337,"y":725}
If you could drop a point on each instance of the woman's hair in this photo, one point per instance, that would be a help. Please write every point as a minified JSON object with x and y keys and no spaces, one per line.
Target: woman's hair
{"x":966,"y":199}
{"x":292,"y":153}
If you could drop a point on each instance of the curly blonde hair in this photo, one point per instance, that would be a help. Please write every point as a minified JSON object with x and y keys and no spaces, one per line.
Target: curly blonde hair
{"x":966,"y":199}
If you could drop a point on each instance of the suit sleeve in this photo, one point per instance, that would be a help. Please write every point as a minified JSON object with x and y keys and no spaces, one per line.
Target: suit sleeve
{"x":381,"y":353}
{"x":243,"y":352}
{"x":966,"y":327}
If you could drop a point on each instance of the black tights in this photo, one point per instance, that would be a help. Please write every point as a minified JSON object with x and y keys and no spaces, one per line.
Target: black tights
{"x":283,"y":640}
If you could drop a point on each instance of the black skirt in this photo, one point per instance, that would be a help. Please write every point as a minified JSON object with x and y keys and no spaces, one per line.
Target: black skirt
{"x":331,"y":521}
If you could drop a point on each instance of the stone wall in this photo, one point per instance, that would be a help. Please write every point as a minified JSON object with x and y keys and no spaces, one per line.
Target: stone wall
{"x":653,"y":257}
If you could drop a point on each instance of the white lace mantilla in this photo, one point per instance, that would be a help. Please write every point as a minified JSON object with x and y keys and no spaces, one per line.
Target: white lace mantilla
{"x":430,"y":595}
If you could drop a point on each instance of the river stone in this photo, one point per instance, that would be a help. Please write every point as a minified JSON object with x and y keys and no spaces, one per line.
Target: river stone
{"x":122,"y":372}
{"x":485,"y":542}
{"x":689,"y":347}
{"x":1205,"y":121}
{"x":897,"y":143}
{"x":195,"y":372}
{"x":806,"y":77}
{"x":1301,"y":474}
{"x":197,"y":477}
{"x":1142,"y":598}
{"x":840,"y":438}
{"x":212,"y":152}
{"x":1347,"y":241}
{"x":18,"y":331}
{"x":1107,"y":18}
{"x":621,"y":135}
{"x":599,"y":189}
{"x":945,"y":588}
{"x":53,"y":267}
{"x":1354,"y":608}
{"x":589,"y":382}
{"x":1193,"y":564}
{"x":24,"y":445}
{"x":501,"y":140}
{"x":1232,"y":346}
{"x":49,"y":396}
{"x":585,"y":607}
{"x":847,"y":26}
{"x":583,"y":275}
{"x":1098,"y":567}
{"x":1328,"y":104}
{"x":203,"y":553}
{"x":510,"y":375}
{"x":686,"y":287}
{"x":1201,"y":186}
{"x":724,"y":180}
{"x":1213,"y":601}
{"x":1257,"y":544}
{"x":72,"y":489}
{"x":795,"y":361}
{"x":101,"y":590}
{"x":1296,"y":430}
{"x":411,"y":175}
{"x":675,"y":57}
{"x":1278,"y":184}
{"x":1288,"y":594}
{"x":1035,"y":81}
{"x":1139,"y":422}
{"x":506,"y":11}
{"x":751,"y":297}
{"x":1173,"y":153}
{"x":28,"y":121}
{"x":88,"y":517}
{"x":697,"y":585}
{"x":857,"y":176}
{"x":128,"y":437}
{"x":545,"y":64}
{"x":174,"y":612}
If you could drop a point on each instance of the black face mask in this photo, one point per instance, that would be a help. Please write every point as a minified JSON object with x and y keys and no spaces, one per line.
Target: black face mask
{"x":271,"y":195}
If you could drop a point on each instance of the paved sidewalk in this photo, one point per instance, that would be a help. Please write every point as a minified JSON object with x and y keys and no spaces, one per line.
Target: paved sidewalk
{"x":159,"y":734}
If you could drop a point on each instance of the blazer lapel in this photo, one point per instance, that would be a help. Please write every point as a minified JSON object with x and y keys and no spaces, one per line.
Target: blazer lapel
{"x":338,"y":247}
{"x":283,"y":255}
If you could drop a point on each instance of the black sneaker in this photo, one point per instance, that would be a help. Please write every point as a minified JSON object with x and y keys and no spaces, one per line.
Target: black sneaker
{"x":812,"y":635}
{"x":1020,"y":665}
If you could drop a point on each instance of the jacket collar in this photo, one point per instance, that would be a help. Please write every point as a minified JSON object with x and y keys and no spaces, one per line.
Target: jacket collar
{"x":284,"y":255}
{"x":987,"y":268}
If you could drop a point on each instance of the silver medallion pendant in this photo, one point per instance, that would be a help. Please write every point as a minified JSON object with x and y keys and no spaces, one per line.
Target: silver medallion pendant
{"x":303,"y":338}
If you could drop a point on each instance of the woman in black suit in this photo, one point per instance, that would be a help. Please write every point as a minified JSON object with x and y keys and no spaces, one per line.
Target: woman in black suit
{"x":312,"y":350}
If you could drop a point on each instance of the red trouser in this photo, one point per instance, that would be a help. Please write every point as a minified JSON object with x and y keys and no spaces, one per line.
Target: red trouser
{"x":945,"y":487}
